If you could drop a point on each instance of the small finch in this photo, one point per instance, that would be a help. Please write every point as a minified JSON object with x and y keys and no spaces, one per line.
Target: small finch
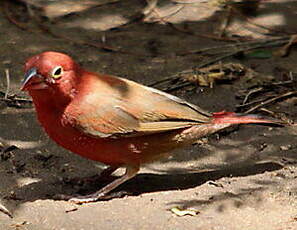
{"x":114,"y":120}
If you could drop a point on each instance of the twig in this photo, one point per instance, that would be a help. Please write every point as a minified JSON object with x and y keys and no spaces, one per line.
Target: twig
{"x":250,"y":93}
{"x":284,"y":51}
{"x":13,"y":100}
{"x":232,"y":50}
{"x":7,"y":84}
{"x":280,"y":116}
{"x":251,"y":103}
{"x":162,"y":18}
{"x":203,"y":64}
{"x":4,"y":210}
{"x":177,"y":87}
{"x":16,"y":99}
{"x":269,"y":101}
{"x":249,"y":45}
{"x":151,"y":8}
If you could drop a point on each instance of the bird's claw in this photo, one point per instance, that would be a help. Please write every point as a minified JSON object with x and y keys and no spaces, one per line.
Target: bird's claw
{"x":77,"y":199}
{"x":91,"y":198}
{"x":96,"y":197}
{"x":83,"y":200}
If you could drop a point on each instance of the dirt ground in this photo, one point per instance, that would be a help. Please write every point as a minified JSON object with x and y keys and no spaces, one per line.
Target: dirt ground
{"x":241,"y":179}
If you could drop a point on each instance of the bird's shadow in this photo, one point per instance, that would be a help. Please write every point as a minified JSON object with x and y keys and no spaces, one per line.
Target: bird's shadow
{"x":142,"y":183}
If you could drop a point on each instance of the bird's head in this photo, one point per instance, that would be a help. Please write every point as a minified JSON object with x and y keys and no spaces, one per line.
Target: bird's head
{"x":50,"y":71}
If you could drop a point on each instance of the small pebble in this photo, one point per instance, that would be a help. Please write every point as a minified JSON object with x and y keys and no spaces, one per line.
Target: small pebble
{"x":285,"y":147}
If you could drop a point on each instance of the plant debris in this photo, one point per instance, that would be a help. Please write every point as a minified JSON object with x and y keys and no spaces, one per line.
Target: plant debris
{"x":207,"y":76}
{"x":284,"y":51}
{"x":184,"y":212}
{"x":4,"y":210}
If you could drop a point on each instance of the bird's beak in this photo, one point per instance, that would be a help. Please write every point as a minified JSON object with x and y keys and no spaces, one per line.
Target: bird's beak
{"x":32,"y":80}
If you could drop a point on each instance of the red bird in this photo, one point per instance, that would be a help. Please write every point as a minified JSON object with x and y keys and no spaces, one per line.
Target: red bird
{"x":114,"y":120}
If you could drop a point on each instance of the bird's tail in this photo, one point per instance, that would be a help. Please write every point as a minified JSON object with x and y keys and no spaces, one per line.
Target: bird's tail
{"x":220,"y":121}
{"x":238,"y":118}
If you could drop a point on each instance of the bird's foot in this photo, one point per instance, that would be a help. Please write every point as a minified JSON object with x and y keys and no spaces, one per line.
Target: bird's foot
{"x":97,"y":196}
{"x":104,"y":193}
{"x":86,"y":199}
{"x":91,"y":198}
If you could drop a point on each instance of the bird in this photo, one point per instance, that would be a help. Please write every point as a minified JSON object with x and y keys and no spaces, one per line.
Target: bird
{"x":113,"y":120}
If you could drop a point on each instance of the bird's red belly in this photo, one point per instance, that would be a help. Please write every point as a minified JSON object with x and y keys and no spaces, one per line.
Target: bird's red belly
{"x":106,"y":150}
{"x":112,"y":151}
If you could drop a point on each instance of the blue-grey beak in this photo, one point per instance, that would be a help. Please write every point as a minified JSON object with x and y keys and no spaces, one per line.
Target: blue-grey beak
{"x":28,"y":76}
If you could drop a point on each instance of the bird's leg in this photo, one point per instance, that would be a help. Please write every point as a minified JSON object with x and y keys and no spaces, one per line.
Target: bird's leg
{"x":131,"y":171}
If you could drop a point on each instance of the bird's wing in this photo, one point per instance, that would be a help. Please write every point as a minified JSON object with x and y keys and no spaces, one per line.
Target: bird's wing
{"x":114,"y":107}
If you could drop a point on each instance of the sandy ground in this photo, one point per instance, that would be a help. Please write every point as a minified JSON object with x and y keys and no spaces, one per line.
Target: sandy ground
{"x":241,"y":179}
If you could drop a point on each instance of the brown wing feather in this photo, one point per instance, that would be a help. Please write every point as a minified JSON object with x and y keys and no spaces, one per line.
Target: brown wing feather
{"x":113,"y":107}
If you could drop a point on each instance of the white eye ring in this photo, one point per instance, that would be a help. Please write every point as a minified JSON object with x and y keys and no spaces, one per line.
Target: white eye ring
{"x":57,"y":72}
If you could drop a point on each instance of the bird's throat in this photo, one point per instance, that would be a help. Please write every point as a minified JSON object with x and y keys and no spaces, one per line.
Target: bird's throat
{"x":46,"y":101}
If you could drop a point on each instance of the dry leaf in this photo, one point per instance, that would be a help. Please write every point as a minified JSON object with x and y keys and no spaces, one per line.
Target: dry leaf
{"x":183,"y":212}
{"x":209,"y":75}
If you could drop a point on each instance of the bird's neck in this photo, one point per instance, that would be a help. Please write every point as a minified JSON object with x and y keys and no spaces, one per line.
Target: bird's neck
{"x":47,"y":102}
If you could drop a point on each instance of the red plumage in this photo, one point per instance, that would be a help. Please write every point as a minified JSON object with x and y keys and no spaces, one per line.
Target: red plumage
{"x":113,"y":120}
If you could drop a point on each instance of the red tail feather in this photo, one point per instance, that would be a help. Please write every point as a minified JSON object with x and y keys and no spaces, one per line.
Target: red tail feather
{"x":237,"y":118}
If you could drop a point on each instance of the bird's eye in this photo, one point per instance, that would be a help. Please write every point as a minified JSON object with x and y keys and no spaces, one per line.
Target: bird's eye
{"x":57,"y":72}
